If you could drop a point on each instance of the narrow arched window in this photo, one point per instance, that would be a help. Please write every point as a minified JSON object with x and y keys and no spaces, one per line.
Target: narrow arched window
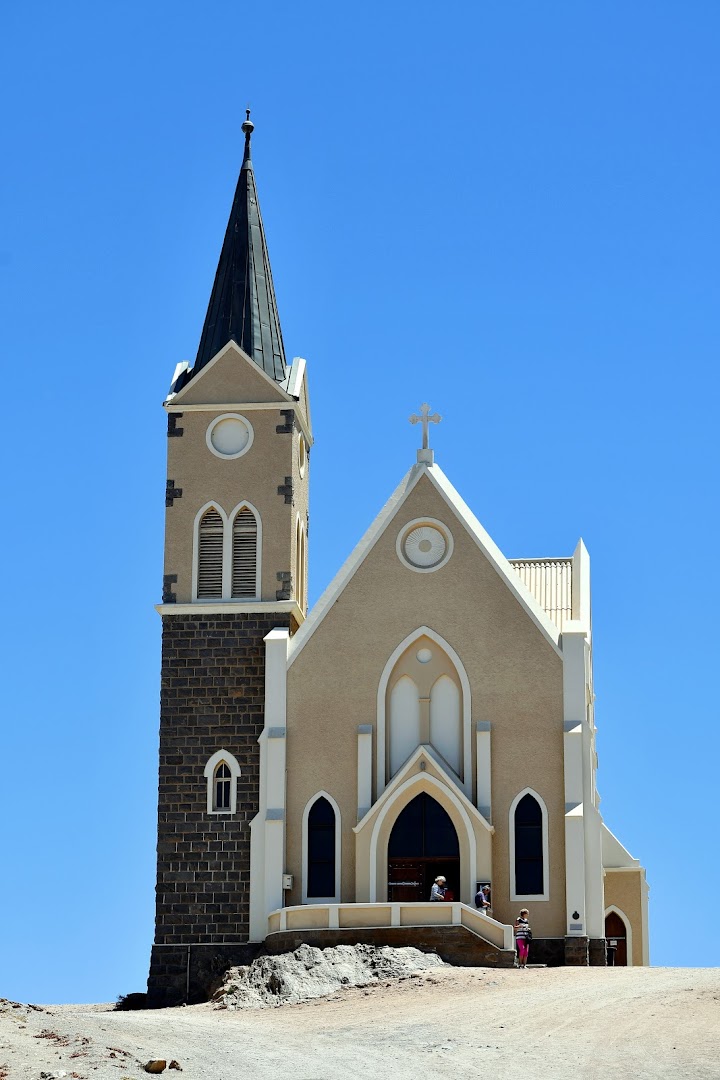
{"x":210,"y":555}
{"x":321,"y":850}
{"x":300,"y":564}
{"x":221,"y":787}
{"x":528,"y":826}
{"x":244,"y":554}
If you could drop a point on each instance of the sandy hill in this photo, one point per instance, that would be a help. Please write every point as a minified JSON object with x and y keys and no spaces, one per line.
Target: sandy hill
{"x":460,"y":1022}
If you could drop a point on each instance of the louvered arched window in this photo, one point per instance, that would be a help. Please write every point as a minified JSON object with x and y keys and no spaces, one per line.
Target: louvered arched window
{"x":300,"y":559}
{"x":210,"y":555}
{"x":244,"y":554}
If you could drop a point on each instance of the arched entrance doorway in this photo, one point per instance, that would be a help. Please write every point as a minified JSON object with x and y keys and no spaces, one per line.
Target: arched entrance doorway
{"x":423,"y":843}
{"x":616,"y":937}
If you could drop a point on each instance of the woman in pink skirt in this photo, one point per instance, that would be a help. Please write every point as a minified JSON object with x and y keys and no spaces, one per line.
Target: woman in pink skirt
{"x":523,"y":937}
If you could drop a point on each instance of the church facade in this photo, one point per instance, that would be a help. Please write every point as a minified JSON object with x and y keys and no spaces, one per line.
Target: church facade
{"x":432,"y":714}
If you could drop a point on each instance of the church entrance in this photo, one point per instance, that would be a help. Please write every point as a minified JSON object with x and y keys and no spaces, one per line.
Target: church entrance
{"x":422,"y":845}
{"x":616,"y":937}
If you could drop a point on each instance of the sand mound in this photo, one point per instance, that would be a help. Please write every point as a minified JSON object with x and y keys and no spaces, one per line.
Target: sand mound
{"x":310,"y":973}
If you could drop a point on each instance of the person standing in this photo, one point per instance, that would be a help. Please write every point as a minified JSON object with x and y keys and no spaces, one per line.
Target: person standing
{"x":523,"y":937}
{"x":482,"y":900}
{"x":438,"y":890}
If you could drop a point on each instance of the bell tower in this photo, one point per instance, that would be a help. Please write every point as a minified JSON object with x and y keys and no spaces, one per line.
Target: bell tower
{"x":236,"y":525}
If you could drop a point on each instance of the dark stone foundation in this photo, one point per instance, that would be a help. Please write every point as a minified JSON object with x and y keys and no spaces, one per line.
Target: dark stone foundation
{"x":576,"y":951}
{"x":189,"y":974}
{"x":598,"y":952}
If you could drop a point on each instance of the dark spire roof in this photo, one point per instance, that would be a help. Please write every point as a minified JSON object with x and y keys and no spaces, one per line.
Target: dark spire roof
{"x":242,"y":305}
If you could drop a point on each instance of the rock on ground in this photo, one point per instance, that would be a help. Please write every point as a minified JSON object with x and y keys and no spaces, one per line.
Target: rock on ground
{"x":307,"y":973}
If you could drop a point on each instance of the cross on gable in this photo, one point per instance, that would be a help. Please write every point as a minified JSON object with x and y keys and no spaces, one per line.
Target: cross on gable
{"x":426,"y":419}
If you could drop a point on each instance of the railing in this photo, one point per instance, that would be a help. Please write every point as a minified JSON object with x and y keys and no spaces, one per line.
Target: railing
{"x":368,"y":916}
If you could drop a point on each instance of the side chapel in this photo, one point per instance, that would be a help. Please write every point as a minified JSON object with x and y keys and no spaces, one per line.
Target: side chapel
{"x":431,"y":714}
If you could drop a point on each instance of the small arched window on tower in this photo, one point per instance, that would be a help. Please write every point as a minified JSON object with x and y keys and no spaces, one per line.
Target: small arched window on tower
{"x":529,"y":853}
{"x":244,"y":555}
{"x":221,"y":775}
{"x":300,"y":564}
{"x":221,"y":787}
{"x":210,"y":555}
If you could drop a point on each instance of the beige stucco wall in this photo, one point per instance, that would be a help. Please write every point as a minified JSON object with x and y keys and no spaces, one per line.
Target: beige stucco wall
{"x":623,"y":889}
{"x":254,"y":477}
{"x":515,"y":677}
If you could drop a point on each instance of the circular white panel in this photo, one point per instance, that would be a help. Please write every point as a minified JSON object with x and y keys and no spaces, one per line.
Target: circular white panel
{"x":424,"y":545}
{"x":424,"y":656}
{"x":229,"y":436}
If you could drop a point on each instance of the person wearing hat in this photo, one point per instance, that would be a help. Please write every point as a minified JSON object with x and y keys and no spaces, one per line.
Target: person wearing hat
{"x":438,"y":890}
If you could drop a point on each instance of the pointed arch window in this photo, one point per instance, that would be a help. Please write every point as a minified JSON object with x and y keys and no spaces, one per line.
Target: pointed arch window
{"x":424,"y":699}
{"x":210,"y":555}
{"x":244,"y":554}
{"x":221,"y":789}
{"x":529,"y":854}
{"x":221,"y":775}
{"x":300,"y":559}
{"x":321,"y":842}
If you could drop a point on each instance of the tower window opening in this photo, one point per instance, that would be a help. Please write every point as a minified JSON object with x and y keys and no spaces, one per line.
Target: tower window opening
{"x":244,"y":554}
{"x":210,"y":555}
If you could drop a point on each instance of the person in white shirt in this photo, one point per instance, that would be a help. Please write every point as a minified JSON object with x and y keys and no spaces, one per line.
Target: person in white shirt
{"x":438,"y":890}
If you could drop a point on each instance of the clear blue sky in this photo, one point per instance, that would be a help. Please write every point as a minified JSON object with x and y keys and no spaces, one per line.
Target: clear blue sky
{"x":507,"y":210}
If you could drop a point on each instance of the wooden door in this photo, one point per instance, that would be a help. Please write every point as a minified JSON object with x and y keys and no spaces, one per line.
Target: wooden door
{"x":616,"y":937}
{"x":406,"y":881}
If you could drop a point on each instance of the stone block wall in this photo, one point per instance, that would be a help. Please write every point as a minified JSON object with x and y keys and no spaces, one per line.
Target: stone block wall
{"x":212,"y":697}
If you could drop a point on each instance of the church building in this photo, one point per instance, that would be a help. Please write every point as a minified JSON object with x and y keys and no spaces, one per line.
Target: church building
{"x":432,"y":714}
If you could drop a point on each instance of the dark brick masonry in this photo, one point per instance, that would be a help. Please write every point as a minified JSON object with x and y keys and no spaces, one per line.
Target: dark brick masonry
{"x":212,"y":696}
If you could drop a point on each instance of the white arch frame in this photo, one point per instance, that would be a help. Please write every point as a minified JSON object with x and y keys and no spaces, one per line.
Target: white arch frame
{"x":545,"y":894}
{"x":381,"y":770}
{"x":613,"y":909}
{"x":338,"y":849}
{"x":420,"y":780}
{"x":228,"y":552}
{"x":209,"y":774}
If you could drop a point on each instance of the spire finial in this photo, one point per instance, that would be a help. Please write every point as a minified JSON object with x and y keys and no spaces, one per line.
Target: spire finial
{"x":248,"y":127}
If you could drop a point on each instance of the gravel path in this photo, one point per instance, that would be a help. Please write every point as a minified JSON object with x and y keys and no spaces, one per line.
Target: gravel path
{"x":560,"y":1023}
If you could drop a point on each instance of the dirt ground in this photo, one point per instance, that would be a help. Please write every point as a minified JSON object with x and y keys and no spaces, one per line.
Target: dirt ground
{"x":559,"y":1023}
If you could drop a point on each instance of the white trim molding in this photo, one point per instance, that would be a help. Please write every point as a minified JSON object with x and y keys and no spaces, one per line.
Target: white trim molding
{"x":338,"y":850}
{"x":209,"y":773}
{"x":612,"y":909}
{"x":424,"y":631}
{"x":233,"y":607}
{"x":514,"y":894}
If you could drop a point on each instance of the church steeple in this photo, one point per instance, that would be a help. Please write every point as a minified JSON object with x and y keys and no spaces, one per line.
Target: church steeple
{"x":242,"y":305}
